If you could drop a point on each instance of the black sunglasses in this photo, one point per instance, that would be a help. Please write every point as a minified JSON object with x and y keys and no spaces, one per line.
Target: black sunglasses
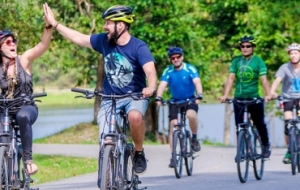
{"x":247,"y":46}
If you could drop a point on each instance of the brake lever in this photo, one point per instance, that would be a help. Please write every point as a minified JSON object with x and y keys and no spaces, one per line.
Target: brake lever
{"x":89,"y":96}
{"x":37,"y":100}
{"x":80,"y":97}
{"x":27,"y":99}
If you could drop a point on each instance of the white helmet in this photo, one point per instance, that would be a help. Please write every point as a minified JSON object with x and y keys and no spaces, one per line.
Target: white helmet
{"x":293,"y":46}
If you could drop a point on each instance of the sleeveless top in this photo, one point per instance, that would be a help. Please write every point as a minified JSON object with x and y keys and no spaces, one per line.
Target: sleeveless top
{"x":24,"y":81}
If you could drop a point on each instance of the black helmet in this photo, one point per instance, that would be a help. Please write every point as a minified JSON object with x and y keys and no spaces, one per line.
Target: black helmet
{"x":5,"y":33}
{"x":119,"y":13}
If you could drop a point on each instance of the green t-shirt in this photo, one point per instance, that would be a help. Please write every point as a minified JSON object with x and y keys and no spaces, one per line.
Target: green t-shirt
{"x":247,"y":75}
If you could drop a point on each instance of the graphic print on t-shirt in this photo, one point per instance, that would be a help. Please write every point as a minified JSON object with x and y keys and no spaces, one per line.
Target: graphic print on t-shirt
{"x":118,"y":70}
{"x":295,"y":85}
{"x":245,"y":73}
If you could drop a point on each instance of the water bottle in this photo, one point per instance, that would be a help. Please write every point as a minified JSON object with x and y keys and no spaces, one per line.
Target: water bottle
{"x":281,"y":104}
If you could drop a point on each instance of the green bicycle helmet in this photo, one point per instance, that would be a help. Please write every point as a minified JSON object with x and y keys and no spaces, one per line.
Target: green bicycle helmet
{"x":247,"y":38}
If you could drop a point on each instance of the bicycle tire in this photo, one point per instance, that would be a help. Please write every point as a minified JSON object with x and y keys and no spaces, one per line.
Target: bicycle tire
{"x":108,"y":168}
{"x":298,"y":157}
{"x":293,"y":148}
{"x":189,"y":155}
{"x":259,"y":161}
{"x":4,"y":168}
{"x":177,"y":154}
{"x":242,"y":157}
{"x":128,"y":167}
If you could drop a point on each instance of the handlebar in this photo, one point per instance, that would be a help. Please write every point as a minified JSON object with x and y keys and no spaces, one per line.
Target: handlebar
{"x":19,"y":101}
{"x":247,"y":102}
{"x":89,"y":94}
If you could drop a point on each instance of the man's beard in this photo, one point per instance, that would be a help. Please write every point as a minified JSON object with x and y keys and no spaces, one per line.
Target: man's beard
{"x":177,"y":67}
{"x":112,"y":39}
{"x":295,"y":63}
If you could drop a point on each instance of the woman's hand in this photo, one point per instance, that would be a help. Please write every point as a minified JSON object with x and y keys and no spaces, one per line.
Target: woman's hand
{"x":49,"y":16}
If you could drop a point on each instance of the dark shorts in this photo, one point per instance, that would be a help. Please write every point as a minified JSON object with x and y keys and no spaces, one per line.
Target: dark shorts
{"x":173,"y":109}
{"x":288,"y":106}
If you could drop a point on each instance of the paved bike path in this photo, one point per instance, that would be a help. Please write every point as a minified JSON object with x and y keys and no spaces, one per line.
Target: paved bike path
{"x":210,"y":160}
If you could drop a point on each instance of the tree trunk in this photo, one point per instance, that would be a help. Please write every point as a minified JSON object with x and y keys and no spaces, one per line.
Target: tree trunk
{"x":100,"y":77}
{"x":151,"y":116}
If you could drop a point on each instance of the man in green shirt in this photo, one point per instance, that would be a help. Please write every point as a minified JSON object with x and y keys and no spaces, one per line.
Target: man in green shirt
{"x":248,"y":69}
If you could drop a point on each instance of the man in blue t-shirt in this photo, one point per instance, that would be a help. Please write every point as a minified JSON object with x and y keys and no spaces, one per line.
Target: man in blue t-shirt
{"x":127,"y":62}
{"x":183,"y":80}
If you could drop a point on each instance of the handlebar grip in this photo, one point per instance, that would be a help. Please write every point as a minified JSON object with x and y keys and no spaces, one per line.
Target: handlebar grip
{"x":39,"y":95}
{"x":83,"y":91}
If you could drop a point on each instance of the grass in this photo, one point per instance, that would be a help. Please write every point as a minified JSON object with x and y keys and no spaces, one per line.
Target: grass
{"x":84,"y":133}
{"x":52,"y":168}
{"x":63,"y":98}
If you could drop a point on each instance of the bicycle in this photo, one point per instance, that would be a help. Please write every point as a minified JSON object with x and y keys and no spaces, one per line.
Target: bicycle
{"x":249,"y":145}
{"x":115,"y":161}
{"x":294,"y":134}
{"x":182,"y":147}
{"x":12,"y":165}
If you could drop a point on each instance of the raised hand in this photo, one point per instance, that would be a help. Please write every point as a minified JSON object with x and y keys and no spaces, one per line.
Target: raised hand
{"x":49,"y":16}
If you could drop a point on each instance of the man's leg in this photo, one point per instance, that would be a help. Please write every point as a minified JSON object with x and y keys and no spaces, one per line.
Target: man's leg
{"x":137,"y":128}
{"x":193,"y":122}
{"x":136,"y":111}
{"x":191,"y":114}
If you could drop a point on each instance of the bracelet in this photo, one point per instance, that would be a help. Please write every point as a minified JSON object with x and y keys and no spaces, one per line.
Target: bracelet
{"x":48,"y":27}
{"x":57,"y":23}
{"x":199,"y":96}
{"x":158,"y":99}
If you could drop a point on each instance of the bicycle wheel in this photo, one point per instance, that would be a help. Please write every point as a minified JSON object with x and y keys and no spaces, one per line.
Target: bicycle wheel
{"x":128,"y":165}
{"x":108,"y":168}
{"x":189,"y":155}
{"x":242,"y":158}
{"x":176,"y":155}
{"x":4,"y":168}
{"x":298,"y":157}
{"x":293,"y":145}
{"x":259,"y":162}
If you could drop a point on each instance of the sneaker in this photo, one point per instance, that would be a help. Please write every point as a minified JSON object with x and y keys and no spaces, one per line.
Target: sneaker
{"x":266,"y":151}
{"x":172,"y":163}
{"x":139,"y":162}
{"x":196,"y":145}
{"x":287,"y":158}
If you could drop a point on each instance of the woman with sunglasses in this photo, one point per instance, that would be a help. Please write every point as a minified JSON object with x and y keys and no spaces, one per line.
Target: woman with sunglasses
{"x":16,"y":79}
{"x":183,"y":80}
{"x":248,"y":69}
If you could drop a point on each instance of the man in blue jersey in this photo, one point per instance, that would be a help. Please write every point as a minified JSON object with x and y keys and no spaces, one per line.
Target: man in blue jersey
{"x":183,"y":80}
{"x":127,"y":62}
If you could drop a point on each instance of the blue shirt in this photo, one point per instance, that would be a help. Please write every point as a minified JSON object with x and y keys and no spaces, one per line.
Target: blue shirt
{"x":123,"y":65}
{"x":181,"y":81}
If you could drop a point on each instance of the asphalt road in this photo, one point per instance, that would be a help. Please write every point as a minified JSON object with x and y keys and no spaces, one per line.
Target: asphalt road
{"x":214,"y":168}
